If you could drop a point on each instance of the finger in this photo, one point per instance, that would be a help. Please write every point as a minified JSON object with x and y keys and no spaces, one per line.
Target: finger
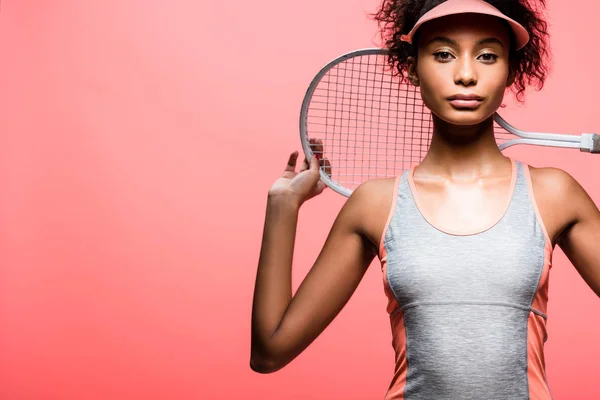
{"x":291,"y":164}
{"x":314,"y":165}
{"x":305,"y":165}
{"x":321,"y":186}
{"x":316,"y":146}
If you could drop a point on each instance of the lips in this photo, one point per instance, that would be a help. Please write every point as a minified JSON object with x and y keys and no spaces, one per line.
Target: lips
{"x":465,"y":101}
{"x":466,"y":96}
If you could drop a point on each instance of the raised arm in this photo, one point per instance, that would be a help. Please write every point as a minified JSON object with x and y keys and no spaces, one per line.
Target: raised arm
{"x":282,"y":325}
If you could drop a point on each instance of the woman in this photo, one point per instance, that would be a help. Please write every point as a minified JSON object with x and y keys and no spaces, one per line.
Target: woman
{"x":465,"y":238}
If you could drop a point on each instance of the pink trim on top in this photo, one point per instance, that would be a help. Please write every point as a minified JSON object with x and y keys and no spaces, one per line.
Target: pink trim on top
{"x":389,"y":218}
{"x":536,"y":364}
{"x":392,"y":302}
{"x":534,"y":201}
{"x":536,"y":325}
{"x":397,"y":389}
{"x":540,"y":300}
{"x":456,"y":232}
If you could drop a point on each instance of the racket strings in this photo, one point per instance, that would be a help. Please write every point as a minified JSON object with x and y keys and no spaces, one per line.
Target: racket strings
{"x":370,"y":125}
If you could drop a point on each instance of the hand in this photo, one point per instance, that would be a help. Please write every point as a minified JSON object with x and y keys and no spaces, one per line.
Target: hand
{"x":306,"y":183}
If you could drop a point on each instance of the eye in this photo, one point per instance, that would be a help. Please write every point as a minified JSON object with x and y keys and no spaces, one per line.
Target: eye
{"x":442,"y":55}
{"x":488,"y":57}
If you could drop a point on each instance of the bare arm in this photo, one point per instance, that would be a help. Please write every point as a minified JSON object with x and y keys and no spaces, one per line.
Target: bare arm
{"x":581,"y":239}
{"x":282,"y":325}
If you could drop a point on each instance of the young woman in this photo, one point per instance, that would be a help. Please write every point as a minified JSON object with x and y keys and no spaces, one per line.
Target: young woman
{"x":465,"y":238}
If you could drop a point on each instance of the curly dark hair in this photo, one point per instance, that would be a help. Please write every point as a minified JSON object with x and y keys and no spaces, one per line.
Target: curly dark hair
{"x":530,"y":65}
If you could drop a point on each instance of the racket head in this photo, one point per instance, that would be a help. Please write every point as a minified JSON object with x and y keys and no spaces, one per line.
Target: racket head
{"x":372,"y":123}
{"x":356,"y":106}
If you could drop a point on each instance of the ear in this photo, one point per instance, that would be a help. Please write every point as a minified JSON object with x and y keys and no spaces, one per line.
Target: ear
{"x":411,"y":70}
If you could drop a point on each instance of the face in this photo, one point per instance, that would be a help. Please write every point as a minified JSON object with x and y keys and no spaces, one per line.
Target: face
{"x":462,"y":67}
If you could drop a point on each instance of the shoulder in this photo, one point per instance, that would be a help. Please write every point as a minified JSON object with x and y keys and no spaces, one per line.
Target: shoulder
{"x":373,"y":199}
{"x":561,"y":199}
{"x":375,"y":192}
{"x":555,"y":185}
{"x":369,"y":206}
{"x":554,"y":179}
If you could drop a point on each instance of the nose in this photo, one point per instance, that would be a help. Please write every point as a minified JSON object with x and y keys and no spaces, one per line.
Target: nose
{"x":465,"y":72}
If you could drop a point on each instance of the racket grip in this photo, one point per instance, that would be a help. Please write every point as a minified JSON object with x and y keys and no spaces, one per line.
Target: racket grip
{"x":590,"y":143}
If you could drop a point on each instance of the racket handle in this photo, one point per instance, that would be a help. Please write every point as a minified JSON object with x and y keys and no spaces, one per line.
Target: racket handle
{"x":590,"y":143}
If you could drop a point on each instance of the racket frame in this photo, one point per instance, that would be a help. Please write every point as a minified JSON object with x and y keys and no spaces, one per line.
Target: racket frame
{"x":304,"y":139}
{"x":586,"y":142}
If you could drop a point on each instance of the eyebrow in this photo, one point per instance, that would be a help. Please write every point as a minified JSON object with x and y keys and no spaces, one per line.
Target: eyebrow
{"x":447,"y":40}
{"x":489,"y":41}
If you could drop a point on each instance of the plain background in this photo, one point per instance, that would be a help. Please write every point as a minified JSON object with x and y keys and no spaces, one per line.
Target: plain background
{"x":138,"y":141}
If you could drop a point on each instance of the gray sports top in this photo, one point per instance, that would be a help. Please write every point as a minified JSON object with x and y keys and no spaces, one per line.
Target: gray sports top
{"x":467,"y":310}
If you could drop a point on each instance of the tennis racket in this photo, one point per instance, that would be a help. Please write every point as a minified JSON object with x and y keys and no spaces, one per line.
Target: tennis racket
{"x":372,"y":125}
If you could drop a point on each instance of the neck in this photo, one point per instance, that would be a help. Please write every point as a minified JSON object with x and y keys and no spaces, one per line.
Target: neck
{"x":463,"y":152}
